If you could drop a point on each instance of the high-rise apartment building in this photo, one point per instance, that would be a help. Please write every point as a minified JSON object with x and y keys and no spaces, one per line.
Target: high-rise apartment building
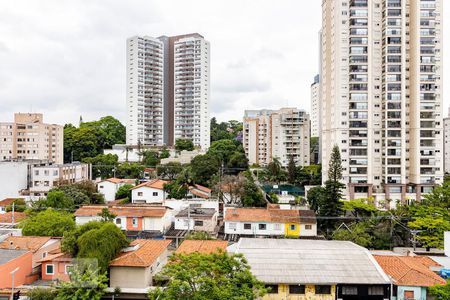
{"x":175,"y":99}
{"x":278,"y":134}
{"x":315,"y":107}
{"x":381,"y":77}
{"x":447,"y":143}
{"x":29,"y":138}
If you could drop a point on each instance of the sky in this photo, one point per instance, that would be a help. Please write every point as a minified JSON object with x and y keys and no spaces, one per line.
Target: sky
{"x":66,"y":59}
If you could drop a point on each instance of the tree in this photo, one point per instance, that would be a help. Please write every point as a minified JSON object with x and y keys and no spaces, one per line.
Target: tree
{"x":208,"y":276}
{"x":103,"y":165}
{"x":48,"y":223}
{"x":360,"y":207}
{"x":222,"y":150}
{"x":332,"y":205}
{"x":184,"y":144}
{"x":316,"y":196}
{"x":124,"y":192}
{"x":85,"y":283}
{"x":19,"y":205}
{"x":225,"y":130}
{"x":106,"y":215}
{"x":291,"y":170}
{"x":356,"y":233}
{"x":203,"y":167}
{"x":151,"y":158}
{"x":164,"y":153}
{"x":439,"y":197}
{"x":432,"y":223}
{"x":233,"y":187}
{"x":40,"y":293}
{"x":274,"y":171}
{"x":252,"y":196}
{"x":169,"y":171}
{"x":99,"y":240}
{"x":175,"y":190}
{"x":440,"y":292}
{"x":237,"y":162}
{"x":130,"y":170}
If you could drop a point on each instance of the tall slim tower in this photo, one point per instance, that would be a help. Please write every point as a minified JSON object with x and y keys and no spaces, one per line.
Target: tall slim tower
{"x":176,"y":94}
{"x":145,"y":106}
{"x":381,"y":95}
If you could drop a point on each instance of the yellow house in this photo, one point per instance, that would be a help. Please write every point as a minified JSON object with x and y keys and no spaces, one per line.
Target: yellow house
{"x":292,"y":229}
{"x":300,"y":292}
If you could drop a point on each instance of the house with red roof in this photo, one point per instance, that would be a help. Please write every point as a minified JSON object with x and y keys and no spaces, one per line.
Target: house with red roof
{"x":136,"y":265}
{"x":109,"y":187}
{"x":11,"y":218}
{"x":149,"y":192}
{"x":5,"y":203}
{"x":56,"y":266}
{"x":411,"y":275}
{"x":201,"y":246}
{"x":129,"y":217}
{"x":199,"y":191}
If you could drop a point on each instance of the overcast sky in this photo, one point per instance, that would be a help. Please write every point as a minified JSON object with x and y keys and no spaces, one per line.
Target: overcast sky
{"x":67,"y":58}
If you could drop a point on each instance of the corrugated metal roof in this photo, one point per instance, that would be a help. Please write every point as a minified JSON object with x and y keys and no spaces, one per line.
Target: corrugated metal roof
{"x":310,"y":262}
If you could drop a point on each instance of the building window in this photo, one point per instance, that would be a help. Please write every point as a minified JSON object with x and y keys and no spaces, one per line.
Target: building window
{"x":292,"y":227}
{"x":409,"y":295}
{"x":232,"y":226}
{"x":262,"y":226}
{"x":135,"y":222}
{"x":118,"y":221}
{"x":198,"y":223}
{"x":155,"y":193}
{"x":272,"y":288}
{"x":68,"y":269}
{"x":308,"y":227}
{"x":376,"y":290}
{"x":296,"y":289}
{"x":100,"y":187}
{"x":323,"y":289}
{"x":49,"y":269}
{"x":247,"y":226}
{"x":140,"y":193}
{"x":44,"y":255}
{"x":349,"y":290}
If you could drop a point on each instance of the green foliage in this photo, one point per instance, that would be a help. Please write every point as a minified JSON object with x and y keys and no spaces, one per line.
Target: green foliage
{"x":439,"y":197}
{"x":222,"y":150}
{"x":225,"y":130}
{"x":48,"y":223}
{"x":19,"y":205}
{"x":164,"y":153}
{"x":360,"y":207}
{"x":331,"y":205}
{"x":85,"y":284}
{"x":357,"y":233}
{"x":237,"y":162}
{"x":315,"y":197}
{"x":440,"y":292}
{"x":151,"y":158}
{"x":432,"y":221}
{"x":199,"y":235}
{"x":40,"y":293}
{"x":291,"y":170}
{"x":274,"y":172}
{"x":124,"y":192}
{"x":208,"y":276}
{"x":274,"y":197}
{"x":184,"y":144}
{"x":98,"y":240}
{"x":175,"y":190}
{"x":252,"y":195}
{"x":203,"y":168}
{"x":91,"y":138}
{"x":103,"y":165}
{"x":106,"y":215}
{"x":335,"y":166}
{"x":130,"y":170}
{"x":169,"y":171}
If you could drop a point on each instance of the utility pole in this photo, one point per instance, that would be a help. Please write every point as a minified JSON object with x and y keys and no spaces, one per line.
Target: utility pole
{"x":189,"y":218}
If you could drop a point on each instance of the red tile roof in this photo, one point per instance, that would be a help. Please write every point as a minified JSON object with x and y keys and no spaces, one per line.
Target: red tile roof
{"x":270,"y":215}
{"x":30,"y":243}
{"x":145,"y":255}
{"x":123,"y":210}
{"x":119,"y":180}
{"x":189,"y":246}
{"x":202,"y":188}
{"x":155,"y":184}
{"x":7,"y":217}
{"x":409,"y":270}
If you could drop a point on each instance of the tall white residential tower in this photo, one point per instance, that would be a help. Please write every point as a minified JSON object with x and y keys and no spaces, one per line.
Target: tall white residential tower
{"x":381,"y":79}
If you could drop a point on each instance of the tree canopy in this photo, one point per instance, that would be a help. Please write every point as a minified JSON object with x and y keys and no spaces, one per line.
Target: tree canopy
{"x":48,"y":223}
{"x":184,"y":144}
{"x":208,"y":276}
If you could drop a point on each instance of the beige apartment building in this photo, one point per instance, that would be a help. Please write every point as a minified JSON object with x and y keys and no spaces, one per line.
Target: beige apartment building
{"x":28,"y":137}
{"x":381,"y":83}
{"x":277,"y":133}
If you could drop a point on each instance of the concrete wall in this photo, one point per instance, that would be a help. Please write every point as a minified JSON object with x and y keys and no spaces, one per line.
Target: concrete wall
{"x":146,"y":195}
{"x":16,"y":175}
{"x":108,"y":190}
{"x":420,"y":293}
{"x":130,"y":277}
{"x":283,"y":294}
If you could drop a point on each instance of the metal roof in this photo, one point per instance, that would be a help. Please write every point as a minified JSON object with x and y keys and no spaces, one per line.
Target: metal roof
{"x":310,"y":261}
{"x":7,"y":255}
